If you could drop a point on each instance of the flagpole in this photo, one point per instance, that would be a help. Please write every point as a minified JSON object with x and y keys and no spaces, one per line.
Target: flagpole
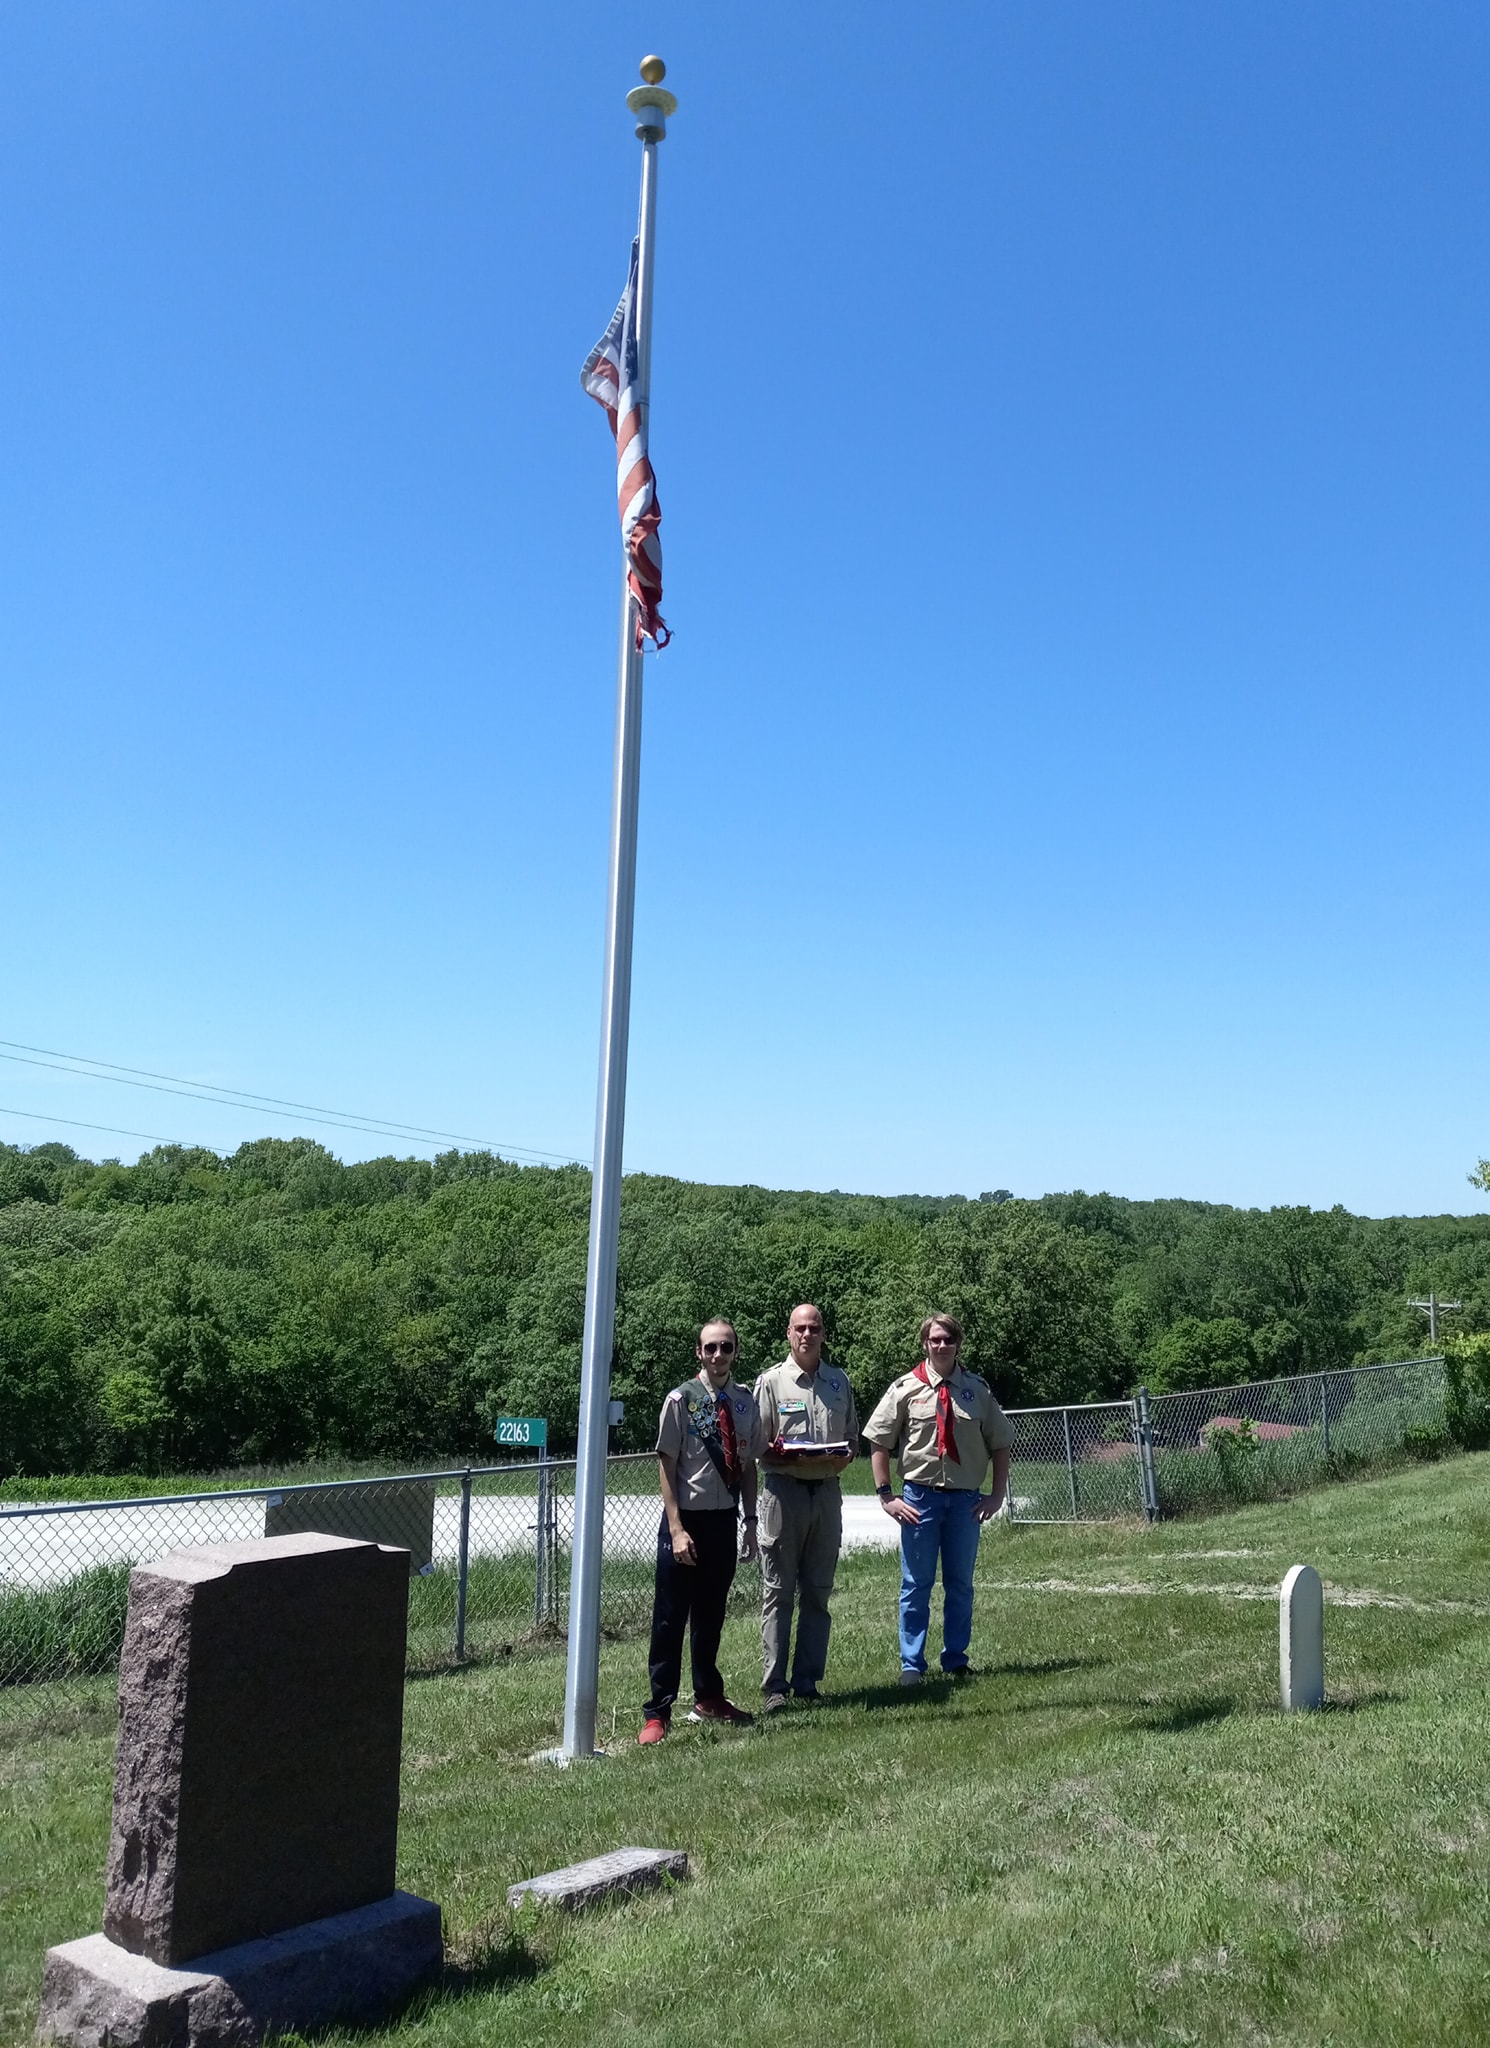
{"x":651,"y":106}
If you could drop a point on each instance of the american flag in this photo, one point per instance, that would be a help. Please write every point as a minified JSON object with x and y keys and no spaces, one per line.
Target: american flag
{"x":610,"y":376}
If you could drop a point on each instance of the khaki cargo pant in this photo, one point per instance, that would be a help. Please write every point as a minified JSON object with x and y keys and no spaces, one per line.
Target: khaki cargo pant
{"x":801,"y":1528}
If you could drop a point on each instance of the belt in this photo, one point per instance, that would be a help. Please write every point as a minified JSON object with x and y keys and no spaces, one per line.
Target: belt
{"x":798,"y":1478}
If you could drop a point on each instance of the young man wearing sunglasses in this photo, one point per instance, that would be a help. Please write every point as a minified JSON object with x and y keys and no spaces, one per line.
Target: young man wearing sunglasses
{"x":708,"y":1441}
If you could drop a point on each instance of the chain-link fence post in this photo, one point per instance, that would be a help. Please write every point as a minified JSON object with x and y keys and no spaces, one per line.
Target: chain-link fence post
{"x":553,"y":1555}
{"x":1145,"y":1435}
{"x":1324,"y":1416}
{"x":1070,"y":1463}
{"x":541,"y":1548}
{"x":463,"y":1566}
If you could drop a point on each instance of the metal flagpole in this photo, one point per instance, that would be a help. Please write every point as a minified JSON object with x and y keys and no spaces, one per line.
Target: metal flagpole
{"x":651,"y":105}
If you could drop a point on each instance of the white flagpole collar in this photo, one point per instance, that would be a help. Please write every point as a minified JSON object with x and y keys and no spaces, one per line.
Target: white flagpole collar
{"x":650,"y":103}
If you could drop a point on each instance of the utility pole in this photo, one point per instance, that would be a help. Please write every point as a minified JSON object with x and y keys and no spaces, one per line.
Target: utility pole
{"x":1432,"y":1308}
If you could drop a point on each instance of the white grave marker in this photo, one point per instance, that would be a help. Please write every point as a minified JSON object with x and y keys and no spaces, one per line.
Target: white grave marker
{"x":1301,"y":1640}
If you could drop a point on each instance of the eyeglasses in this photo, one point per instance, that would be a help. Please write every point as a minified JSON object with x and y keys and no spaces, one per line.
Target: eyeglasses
{"x":807,"y":1330}
{"x":724,"y":1350}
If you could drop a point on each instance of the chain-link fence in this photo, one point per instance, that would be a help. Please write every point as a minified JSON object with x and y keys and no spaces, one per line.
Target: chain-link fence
{"x":1075,"y":1464}
{"x":490,"y":1547}
{"x":1170,"y":1454}
{"x":1273,"y":1436}
{"x":489,"y":1554}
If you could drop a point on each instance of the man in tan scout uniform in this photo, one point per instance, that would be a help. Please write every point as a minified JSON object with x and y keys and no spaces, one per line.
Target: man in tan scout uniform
{"x":802,"y":1402}
{"x":946,"y":1428}
{"x":708,"y":1438}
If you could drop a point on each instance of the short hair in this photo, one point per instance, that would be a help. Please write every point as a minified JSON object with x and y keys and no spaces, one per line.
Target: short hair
{"x":717,"y":1323}
{"x":947,"y":1322}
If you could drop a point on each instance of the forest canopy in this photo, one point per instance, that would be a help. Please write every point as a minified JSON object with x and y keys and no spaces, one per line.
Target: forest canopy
{"x":193,"y":1311}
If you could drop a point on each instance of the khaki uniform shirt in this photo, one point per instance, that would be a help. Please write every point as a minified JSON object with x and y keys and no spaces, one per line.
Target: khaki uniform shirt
{"x":698,"y":1483}
{"x":813,"y":1407}
{"x":905,"y":1423}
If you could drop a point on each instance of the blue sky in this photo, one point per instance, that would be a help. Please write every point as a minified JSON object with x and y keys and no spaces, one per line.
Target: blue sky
{"x":1072,"y":434}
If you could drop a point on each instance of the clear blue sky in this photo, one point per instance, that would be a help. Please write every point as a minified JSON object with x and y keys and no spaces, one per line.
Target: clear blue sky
{"x":1071,"y":426}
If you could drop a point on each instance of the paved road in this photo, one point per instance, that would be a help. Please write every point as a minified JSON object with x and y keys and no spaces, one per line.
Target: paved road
{"x":48,"y":1549}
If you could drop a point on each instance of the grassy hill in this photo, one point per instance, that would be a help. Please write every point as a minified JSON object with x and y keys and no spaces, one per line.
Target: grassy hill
{"x":1110,"y":1835}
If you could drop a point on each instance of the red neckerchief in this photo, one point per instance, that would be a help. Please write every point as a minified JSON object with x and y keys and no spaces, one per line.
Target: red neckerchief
{"x":946,"y":1442}
{"x":728,"y":1442}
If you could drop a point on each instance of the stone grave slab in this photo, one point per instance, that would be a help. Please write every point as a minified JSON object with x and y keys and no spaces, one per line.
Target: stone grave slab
{"x":585,"y":1884}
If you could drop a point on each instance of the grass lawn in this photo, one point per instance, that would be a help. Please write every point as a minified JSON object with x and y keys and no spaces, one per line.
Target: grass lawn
{"x":1108,"y":1836}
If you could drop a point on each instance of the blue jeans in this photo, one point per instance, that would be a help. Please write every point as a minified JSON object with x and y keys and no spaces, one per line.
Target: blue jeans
{"x":949,"y":1528}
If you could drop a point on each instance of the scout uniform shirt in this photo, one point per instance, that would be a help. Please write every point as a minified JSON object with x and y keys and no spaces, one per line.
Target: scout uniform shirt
{"x":687,"y":1419}
{"x":905,"y":1422}
{"x":813,"y":1407}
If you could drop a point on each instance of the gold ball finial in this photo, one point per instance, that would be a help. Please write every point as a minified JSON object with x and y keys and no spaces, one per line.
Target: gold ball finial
{"x":653,"y":70}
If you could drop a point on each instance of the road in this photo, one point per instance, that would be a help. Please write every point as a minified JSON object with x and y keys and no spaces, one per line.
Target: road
{"x":47,"y":1549}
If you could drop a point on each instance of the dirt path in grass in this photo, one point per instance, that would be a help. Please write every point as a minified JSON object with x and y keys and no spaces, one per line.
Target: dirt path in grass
{"x":1336,"y":1596}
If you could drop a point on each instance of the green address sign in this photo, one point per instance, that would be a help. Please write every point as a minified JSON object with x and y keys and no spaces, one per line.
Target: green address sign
{"x":523,"y":1432}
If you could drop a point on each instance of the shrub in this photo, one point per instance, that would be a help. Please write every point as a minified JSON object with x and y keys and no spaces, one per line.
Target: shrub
{"x":1466,"y":1371}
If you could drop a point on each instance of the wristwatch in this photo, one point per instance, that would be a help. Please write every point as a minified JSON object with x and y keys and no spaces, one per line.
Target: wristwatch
{"x":885,"y":1492}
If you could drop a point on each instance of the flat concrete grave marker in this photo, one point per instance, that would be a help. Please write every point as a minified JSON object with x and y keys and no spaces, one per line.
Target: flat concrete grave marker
{"x":1301,"y":1640}
{"x":255,"y":1803}
{"x":579,"y":1885}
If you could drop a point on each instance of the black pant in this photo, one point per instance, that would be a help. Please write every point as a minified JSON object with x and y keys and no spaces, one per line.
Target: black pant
{"x":696,"y":1593}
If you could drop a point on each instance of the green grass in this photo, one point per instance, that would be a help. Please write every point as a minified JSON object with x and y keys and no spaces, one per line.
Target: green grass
{"x":1109,"y":1836}
{"x":67,"y":1631}
{"x":17,"y":1491}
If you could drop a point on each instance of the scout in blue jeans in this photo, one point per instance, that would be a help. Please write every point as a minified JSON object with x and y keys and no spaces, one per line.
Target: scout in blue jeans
{"x":945,"y":1429}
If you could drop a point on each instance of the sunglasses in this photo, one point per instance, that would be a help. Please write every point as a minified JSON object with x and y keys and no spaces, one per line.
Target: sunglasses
{"x":724,"y":1350}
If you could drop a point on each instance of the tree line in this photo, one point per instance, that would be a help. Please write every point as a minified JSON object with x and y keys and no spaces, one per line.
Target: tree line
{"x":194,"y":1311}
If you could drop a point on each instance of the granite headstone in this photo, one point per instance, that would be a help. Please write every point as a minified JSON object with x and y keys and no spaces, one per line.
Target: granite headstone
{"x":255,"y":1795}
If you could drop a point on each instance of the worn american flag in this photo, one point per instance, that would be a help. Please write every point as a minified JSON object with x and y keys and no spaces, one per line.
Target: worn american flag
{"x":610,"y":377}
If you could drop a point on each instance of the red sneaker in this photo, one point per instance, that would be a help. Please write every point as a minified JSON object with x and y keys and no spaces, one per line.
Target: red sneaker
{"x":653,"y":1730}
{"x":721,"y":1710}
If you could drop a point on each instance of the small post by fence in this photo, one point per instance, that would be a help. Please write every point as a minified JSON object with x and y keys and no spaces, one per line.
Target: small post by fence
{"x":464,"y":1566}
{"x":1070,"y":1464}
{"x":1145,"y":1435}
{"x":541,"y":1549}
{"x":1324,"y":1416}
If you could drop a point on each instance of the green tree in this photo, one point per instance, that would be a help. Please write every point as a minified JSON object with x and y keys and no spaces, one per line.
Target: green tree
{"x":1192,"y":1353}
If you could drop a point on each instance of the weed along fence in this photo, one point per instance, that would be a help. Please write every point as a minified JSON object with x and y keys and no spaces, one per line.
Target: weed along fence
{"x":1168,"y":1454}
{"x":490,"y":1547}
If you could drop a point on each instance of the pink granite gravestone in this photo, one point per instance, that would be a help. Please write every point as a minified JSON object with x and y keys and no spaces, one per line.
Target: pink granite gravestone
{"x":255,"y":1801}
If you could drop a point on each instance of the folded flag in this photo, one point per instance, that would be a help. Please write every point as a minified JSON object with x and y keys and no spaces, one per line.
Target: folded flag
{"x":610,"y":376}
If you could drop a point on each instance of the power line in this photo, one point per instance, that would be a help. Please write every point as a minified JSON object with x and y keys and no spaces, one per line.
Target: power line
{"x":240,"y":1098}
{"x":77,"y":1124}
